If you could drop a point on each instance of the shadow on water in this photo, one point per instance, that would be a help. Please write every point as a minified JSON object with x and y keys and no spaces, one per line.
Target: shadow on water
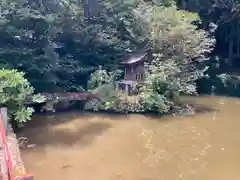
{"x":193,"y":109}
{"x":67,"y":129}
{"x":64,"y":130}
{"x":43,"y":119}
{"x":201,"y":109}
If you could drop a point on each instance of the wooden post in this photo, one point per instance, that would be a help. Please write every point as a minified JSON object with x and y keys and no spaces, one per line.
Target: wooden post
{"x":117,"y":86}
{"x":126,"y":89}
{"x":6,"y":158}
{"x":4,"y":118}
{"x":238,"y":40}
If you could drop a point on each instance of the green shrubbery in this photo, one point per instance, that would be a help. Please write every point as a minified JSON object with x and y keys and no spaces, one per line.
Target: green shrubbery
{"x":15,"y":91}
{"x":58,"y":47}
{"x":179,"y":48}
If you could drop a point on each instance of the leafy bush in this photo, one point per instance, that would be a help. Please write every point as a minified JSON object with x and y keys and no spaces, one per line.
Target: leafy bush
{"x":218,"y":80}
{"x":179,"y":59}
{"x":101,"y":77}
{"x":103,"y":83}
{"x":118,"y":103}
{"x":15,"y":92}
{"x":176,"y":44}
{"x":154,"y":102}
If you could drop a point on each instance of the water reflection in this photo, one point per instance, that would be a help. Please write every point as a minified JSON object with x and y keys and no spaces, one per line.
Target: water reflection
{"x":138,"y":147}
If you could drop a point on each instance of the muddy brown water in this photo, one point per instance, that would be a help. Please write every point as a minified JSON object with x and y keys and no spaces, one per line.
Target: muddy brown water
{"x":78,"y":146}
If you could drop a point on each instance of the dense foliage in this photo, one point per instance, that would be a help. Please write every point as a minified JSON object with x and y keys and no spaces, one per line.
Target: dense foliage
{"x":15,"y":92}
{"x":109,"y":99}
{"x":179,"y":50}
{"x":58,"y":44}
{"x":58,"y":47}
{"x":221,"y":19}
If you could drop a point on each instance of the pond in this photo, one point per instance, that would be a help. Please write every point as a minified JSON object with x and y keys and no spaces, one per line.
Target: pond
{"x":136,"y":147}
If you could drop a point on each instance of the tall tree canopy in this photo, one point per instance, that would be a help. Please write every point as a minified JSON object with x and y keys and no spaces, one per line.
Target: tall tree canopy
{"x":56,"y":45}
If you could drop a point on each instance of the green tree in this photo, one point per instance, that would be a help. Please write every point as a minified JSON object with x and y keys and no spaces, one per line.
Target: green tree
{"x":180,"y":50}
{"x":16,"y":91}
{"x":57,"y":47}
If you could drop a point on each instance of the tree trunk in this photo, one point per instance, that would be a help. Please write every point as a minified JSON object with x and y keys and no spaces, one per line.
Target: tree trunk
{"x":91,"y":8}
